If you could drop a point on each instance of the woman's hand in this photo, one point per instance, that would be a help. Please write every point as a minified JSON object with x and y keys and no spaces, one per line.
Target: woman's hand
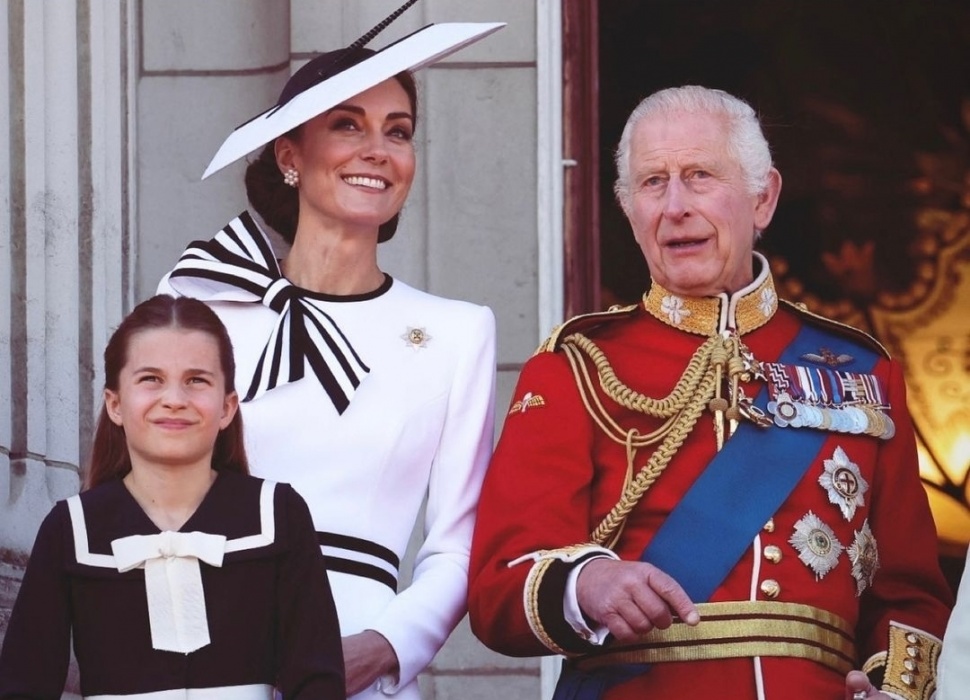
{"x":367,"y":657}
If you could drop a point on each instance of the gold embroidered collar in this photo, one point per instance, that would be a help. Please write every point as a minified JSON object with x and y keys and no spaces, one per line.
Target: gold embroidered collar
{"x":745,"y":310}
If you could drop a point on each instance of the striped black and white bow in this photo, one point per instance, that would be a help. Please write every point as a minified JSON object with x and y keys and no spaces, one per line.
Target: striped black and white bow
{"x":240,"y":257}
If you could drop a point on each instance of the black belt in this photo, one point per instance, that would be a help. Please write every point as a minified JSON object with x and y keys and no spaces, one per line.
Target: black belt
{"x":334,"y":545}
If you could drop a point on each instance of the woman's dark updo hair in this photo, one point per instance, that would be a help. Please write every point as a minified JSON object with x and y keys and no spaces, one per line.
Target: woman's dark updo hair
{"x":276,"y":202}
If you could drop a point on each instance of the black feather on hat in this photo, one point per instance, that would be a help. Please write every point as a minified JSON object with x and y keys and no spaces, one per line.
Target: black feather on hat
{"x":336,"y":76}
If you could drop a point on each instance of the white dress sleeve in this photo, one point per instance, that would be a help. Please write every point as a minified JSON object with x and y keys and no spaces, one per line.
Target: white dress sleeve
{"x":418,"y":621}
{"x":953,"y":672}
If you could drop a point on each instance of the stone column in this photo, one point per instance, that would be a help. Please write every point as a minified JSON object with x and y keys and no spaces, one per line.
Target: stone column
{"x":205,"y":68}
{"x":63,"y":249}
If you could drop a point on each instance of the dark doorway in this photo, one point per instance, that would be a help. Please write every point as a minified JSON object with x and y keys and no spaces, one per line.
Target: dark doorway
{"x":867,"y":108}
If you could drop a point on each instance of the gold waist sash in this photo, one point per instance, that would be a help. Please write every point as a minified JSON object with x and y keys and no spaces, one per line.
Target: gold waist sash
{"x":741,"y":629}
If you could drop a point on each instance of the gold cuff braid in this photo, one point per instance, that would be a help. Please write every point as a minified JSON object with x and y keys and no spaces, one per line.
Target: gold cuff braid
{"x":911,"y":663}
{"x":543,"y":560}
{"x":876,"y":662}
{"x":532,"y":606}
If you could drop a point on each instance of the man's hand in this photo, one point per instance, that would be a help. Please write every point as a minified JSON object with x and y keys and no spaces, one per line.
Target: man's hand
{"x":857,"y":686}
{"x":631,"y":598}
{"x":367,"y":657}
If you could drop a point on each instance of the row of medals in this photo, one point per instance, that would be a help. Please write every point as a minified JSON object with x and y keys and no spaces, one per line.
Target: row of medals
{"x":855,"y":419}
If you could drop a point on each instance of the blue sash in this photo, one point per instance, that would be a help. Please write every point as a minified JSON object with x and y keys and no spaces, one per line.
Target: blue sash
{"x":751,"y":477}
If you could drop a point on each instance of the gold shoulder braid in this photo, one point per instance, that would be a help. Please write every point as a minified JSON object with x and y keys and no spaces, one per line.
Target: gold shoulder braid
{"x":583,"y":322}
{"x":839,"y":328}
{"x":718,"y":359}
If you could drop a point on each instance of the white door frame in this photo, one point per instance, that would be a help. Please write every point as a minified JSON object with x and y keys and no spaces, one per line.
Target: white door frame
{"x":550,"y":205}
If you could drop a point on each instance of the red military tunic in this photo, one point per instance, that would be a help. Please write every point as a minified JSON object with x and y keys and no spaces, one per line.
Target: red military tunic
{"x":555,"y":475}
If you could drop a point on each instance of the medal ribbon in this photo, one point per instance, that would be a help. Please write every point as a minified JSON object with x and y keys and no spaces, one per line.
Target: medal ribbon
{"x":758,"y":468}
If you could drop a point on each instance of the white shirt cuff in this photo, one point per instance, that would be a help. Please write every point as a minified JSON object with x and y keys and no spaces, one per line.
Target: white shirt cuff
{"x":574,"y":615}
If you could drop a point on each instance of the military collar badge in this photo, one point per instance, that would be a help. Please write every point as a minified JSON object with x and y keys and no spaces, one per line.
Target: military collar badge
{"x":744,"y":311}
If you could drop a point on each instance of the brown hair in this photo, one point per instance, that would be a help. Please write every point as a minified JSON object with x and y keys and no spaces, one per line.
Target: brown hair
{"x":276,"y":202}
{"x":109,"y":454}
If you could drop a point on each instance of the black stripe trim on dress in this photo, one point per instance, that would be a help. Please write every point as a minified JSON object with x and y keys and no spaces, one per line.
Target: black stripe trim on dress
{"x":333,"y":346}
{"x":358,"y":544}
{"x":356,"y":568}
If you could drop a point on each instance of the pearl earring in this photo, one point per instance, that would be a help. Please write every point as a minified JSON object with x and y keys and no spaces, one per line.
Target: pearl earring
{"x":291,"y":177}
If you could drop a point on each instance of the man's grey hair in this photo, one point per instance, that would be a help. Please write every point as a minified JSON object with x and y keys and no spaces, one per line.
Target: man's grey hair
{"x":746,"y":142}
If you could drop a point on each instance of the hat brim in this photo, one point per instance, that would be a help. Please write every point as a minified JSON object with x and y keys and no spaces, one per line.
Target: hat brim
{"x":425,"y":46}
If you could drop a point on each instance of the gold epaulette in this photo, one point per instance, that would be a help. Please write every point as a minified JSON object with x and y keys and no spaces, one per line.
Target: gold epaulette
{"x":583,"y":323}
{"x":837,"y":327}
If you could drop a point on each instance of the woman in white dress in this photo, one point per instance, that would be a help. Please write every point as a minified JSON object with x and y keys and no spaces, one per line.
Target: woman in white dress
{"x":370,"y":397}
{"x":953,"y":671}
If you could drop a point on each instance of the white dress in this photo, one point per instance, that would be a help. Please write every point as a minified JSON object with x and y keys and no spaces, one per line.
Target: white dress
{"x":419,"y":425}
{"x":953,"y":672}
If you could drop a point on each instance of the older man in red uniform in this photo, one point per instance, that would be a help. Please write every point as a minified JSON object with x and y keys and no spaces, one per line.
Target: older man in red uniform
{"x":711,"y":493}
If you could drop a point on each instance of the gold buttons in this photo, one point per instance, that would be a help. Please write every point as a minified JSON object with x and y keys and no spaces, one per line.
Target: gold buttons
{"x":770,"y":588}
{"x":773,"y":553}
{"x":770,"y":525}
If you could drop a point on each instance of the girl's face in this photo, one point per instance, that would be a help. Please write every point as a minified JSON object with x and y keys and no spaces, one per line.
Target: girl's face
{"x":356,"y":161}
{"x":171,"y":398}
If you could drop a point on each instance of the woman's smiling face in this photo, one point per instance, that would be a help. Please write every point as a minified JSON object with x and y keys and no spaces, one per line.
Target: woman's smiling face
{"x":356,"y":161}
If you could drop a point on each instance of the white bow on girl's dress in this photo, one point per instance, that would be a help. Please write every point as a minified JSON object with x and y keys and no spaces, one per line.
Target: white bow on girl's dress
{"x":173,"y":583}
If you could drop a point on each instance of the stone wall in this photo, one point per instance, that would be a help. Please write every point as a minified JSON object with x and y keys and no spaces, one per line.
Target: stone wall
{"x":114,"y":110}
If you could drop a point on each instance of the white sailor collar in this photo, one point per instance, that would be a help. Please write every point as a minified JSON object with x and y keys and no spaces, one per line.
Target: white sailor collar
{"x":745,"y":310}
{"x":239,"y":265}
{"x":122,"y":538}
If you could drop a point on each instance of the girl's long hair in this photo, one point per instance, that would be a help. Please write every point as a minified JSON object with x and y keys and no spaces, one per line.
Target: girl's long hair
{"x":109,"y":454}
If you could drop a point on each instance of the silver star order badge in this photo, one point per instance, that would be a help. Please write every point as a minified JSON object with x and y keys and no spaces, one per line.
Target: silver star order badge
{"x":864,"y":556}
{"x":415,"y":337}
{"x":844,"y":484}
{"x":817,"y":545}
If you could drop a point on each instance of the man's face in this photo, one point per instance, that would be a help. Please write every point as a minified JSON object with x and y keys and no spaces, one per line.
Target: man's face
{"x":690,"y":211}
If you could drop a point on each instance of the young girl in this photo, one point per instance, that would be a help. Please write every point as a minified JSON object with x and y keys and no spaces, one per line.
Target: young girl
{"x":175,"y":570}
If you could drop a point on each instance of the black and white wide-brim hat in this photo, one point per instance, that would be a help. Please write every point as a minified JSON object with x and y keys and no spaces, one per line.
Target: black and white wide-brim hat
{"x":315,"y":88}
